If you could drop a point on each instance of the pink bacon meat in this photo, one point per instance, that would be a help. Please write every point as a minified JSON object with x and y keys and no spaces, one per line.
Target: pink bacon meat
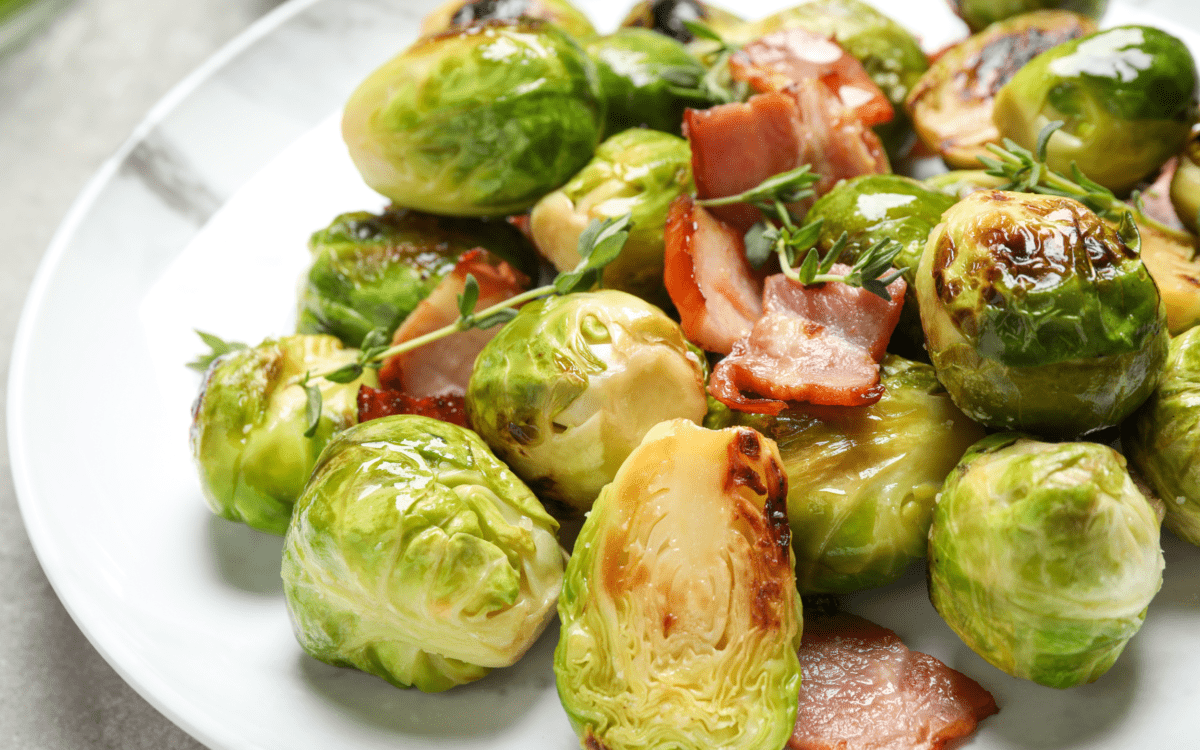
{"x":820,"y":344}
{"x":444,"y":366}
{"x":864,"y":689}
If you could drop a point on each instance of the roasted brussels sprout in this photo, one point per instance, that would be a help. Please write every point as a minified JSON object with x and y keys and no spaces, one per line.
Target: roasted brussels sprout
{"x":1125,"y":95}
{"x":636,"y":172}
{"x":568,"y":388}
{"x":248,"y":426}
{"x":1162,"y":440}
{"x":1043,"y":557}
{"x":1185,"y":185}
{"x":1173,"y":260}
{"x":417,"y":556}
{"x":642,"y":77}
{"x":480,"y":121}
{"x":457,"y":13}
{"x":981,"y":13}
{"x":680,"y":618}
{"x":877,"y":207}
{"x":862,"y":480}
{"x":1038,"y":315}
{"x":370,"y":270}
{"x":667,"y":16}
{"x":959,"y":183}
{"x":951,"y":106}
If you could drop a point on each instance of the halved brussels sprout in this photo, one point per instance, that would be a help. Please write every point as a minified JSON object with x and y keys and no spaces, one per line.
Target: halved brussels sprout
{"x":570,"y":386}
{"x":1125,"y":95}
{"x":1172,"y":259}
{"x":370,"y":270}
{"x":248,"y":426}
{"x":666,"y":17}
{"x":1043,"y":557}
{"x":636,"y":172}
{"x":1185,"y":185}
{"x":981,"y":13}
{"x":680,"y":617}
{"x":878,"y":207}
{"x":1038,"y":315}
{"x":1162,"y":440}
{"x":417,"y":556}
{"x":951,"y":106}
{"x":479,"y":121}
{"x":642,"y":78}
{"x":862,"y":480}
{"x":457,"y":13}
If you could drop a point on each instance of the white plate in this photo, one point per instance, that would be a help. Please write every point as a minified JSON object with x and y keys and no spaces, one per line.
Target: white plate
{"x":187,"y":607}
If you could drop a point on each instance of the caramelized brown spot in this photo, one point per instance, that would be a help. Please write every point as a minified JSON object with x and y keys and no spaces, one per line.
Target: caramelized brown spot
{"x":740,"y":472}
{"x":591,"y":743}
{"x":668,"y":621}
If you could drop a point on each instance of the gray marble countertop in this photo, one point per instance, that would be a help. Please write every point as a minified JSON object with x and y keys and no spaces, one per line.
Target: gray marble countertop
{"x":68,"y":99}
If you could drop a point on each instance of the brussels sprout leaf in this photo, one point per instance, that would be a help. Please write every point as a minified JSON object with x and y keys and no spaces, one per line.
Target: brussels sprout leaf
{"x":217,"y":347}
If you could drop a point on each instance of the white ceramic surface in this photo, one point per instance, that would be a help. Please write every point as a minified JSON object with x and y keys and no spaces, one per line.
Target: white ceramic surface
{"x":200,"y":222}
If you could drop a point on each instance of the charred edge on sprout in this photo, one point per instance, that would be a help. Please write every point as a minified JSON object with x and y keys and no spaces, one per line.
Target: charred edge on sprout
{"x":591,"y":742}
{"x":486,"y":10}
{"x":751,"y":467}
{"x":1000,"y":59}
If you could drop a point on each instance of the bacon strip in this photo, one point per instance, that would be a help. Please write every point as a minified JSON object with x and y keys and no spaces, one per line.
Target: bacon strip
{"x":444,"y":366}
{"x":706,"y":274}
{"x":779,"y":60}
{"x":376,"y":403}
{"x":820,"y":344}
{"x":737,"y":146}
{"x":864,"y":689}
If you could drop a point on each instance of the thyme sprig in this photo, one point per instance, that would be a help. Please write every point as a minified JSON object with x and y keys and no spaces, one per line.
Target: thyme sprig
{"x":779,"y":235}
{"x":217,"y":347}
{"x":599,"y":245}
{"x":715,"y":86}
{"x":1027,"y":172}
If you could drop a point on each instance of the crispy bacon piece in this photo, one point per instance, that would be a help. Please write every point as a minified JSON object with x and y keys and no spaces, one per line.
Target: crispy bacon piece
{"x":737,"y":146}
{"x":374,"y":403}
{"x":706,"y":274}
{"x":444,"y":366}
{"x":779,"y":60}
{"x":820,"y":344}
{"x":864,"y":689}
